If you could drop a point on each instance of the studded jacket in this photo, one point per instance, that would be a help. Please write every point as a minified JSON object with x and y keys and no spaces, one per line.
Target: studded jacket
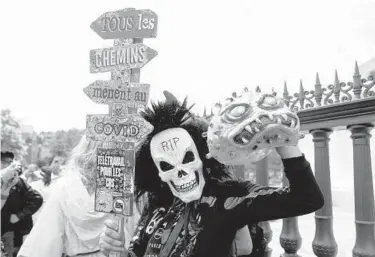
{"x":211,"y":224}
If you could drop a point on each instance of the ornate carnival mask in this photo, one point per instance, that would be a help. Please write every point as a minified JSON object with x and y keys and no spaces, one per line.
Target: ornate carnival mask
{"x":249,"y":126}
{"x":177,"y":159}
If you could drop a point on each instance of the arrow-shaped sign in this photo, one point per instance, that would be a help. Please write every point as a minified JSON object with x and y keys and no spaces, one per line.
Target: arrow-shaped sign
{"x":107,"y":92}
{"x":128,"y":23}
{"x":120,"y":57}
{"x":131,"y":128}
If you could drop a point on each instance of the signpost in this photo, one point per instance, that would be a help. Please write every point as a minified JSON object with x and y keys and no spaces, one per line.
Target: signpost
{"x":126,"y":24}
{"x":131,"y":128}
{"x":122,"y":128}
{"x":106,"y":92}
{"x":120,"y":57}
{"x":115,"y":185}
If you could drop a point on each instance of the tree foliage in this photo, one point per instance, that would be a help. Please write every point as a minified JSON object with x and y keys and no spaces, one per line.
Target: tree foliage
{"x":11,"y":136}
{"x":372,"y":74}
{"x":31,"y":146}
{"x":64,"y":141}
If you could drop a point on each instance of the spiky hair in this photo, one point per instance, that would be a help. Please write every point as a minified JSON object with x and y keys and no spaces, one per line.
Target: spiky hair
{"x":166,"y":115}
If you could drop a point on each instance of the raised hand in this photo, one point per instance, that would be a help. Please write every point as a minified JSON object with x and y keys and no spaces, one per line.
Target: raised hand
{"x":112,"y":240}
{"x":287,"y":152}
{"x":9,"y":174}
{"x":14,"y":218}
{"x":46,"y":173}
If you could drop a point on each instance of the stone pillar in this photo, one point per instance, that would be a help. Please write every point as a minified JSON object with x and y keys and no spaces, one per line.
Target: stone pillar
{"x":363,"y":191}
{"x":290,"y":238}
{"x":239,"y":171}
{"x":262,"y":179}
{"x":324,"y":244}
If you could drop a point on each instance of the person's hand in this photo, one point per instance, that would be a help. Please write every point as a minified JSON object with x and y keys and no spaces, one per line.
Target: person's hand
{"x":14,"y":218}
{"x":289,"y":151}
{"x":46,"y":173}
{"x":111,"y":240}
{"x":11,"y":171}
{"x":9,"y":177}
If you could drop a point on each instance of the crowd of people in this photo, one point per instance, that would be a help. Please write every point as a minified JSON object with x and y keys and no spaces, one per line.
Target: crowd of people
{"x":24,"y":190}
{"x":194,"y":207}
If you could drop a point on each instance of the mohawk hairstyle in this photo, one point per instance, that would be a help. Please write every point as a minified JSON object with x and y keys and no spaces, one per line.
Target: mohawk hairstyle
{"x":166,"y":115}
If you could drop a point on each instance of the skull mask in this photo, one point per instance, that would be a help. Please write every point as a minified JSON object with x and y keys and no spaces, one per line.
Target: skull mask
{"x":177,"y":159}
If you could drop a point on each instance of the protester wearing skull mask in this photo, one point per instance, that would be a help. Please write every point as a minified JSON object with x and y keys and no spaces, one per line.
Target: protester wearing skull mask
{"x":193,"y":208}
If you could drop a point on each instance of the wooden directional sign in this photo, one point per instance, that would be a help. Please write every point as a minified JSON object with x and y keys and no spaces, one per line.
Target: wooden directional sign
{"x":121,"y":57}
{"x":107,"y":92}
{"x":119,"y":131}
{"x":128,"y":23}
{"x":115,"y":180}
{"x":131,"y":128}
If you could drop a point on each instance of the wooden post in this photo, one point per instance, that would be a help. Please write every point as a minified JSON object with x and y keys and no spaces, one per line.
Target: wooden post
{"x":135,"y":75}
{"x":262,"y":179}
{"x":363,"y":191}
{"x":290,"y":238}
{"x":324,"y":244}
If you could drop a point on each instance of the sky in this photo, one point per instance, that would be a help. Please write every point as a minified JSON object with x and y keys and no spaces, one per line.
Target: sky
{"x":206,"y":50}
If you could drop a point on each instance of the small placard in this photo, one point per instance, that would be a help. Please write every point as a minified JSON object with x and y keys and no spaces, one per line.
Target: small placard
{"x":107,"y":92}
{"x":128,"y":23}
{"x":114,"y":180}
{"x":131,"y":128}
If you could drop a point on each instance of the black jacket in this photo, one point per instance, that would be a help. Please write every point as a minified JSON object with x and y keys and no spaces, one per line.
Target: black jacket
{"x":235,"y":204}
{"x":24,"y":202}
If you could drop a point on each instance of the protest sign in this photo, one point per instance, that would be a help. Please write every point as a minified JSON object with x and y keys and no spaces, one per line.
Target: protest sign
{"x":122,"y":128}
{"x":120,"y":57}
{"x":131,"y":128}
{"x":111,"y":91}
{"x":127,"y":23}
{"x":114,"y":180}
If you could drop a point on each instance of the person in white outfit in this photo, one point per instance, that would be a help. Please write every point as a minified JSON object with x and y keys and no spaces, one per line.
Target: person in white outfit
{"x":49,"y":176}
{"x":68,"y":224}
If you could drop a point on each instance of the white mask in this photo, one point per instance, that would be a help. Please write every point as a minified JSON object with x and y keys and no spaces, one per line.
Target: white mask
{"x":177,"y":159}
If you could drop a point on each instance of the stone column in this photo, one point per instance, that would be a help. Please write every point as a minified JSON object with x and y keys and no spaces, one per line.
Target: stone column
{"x":262,"y":179}
{"x":290,"y":238}
{"x":363,"y":191}
{"x":239,"y":171}
{"x":324,"y":244}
